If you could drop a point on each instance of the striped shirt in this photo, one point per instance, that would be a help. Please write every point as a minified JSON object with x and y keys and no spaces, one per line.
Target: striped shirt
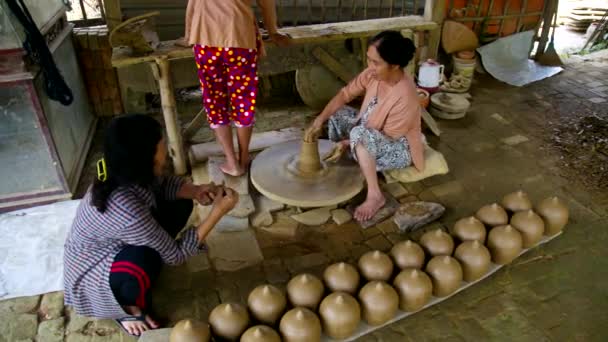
{"x":96,"y":238}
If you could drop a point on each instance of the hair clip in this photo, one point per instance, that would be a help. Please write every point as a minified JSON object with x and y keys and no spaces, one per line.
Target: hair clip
{"x":102,"y":173}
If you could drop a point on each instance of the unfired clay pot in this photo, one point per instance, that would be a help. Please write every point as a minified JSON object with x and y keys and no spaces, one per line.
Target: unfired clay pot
{"x":305,"y":290}
{"x":260,"y":333}
{"x":408,"y":254}
{"x":530,"y":225}
{"x":340,"y":315}
{"x":469,"y":229}
{"x":516,"y":201}
{"x":267,"y":303}
{"x":341,"y":277}
{"x":190,"y":330}
{"x":415,"y":289}
{"x":505,"y":244}
{"x":555,"y":214}
{"x":446,"y":274}
{"x":379,"y":302}
{"x":474,"y":258}
{"x":492,"y":215}
{"x":229,"y":320}
{"x":437,"y":242}
{"x":376,"y":265}
{"x":300,"y":325}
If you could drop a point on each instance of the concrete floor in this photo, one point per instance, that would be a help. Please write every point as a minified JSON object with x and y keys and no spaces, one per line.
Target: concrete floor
{"x":555,"y":292}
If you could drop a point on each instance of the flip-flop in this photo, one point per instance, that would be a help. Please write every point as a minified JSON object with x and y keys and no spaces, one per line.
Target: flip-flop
{"x":140,"y":318}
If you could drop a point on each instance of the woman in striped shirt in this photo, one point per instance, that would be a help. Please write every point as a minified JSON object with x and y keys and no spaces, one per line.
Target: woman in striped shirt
{"x":126,"y":226}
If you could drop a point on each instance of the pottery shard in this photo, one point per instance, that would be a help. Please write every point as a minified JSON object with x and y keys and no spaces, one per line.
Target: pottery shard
{"x":261,"y":219}
{"x":315,"y":217}
{"x":413,"y":215}
{"x":284,"y":227}
{"x":341,"y":216}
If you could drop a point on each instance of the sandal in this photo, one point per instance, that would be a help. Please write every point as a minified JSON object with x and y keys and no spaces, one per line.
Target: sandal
{"x":140,"y":318}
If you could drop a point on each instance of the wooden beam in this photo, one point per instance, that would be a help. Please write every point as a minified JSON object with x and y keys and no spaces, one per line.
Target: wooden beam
{"x":434,"y":10}
{"x":332,"y":64}
{"x":531,"y":14}
{"x":197,"y":123}
{"x":113,"y":13}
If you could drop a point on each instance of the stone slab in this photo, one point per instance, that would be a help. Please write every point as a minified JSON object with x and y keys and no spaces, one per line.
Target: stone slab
{"x":261,"y":219}
{"x":284,"y":226}
{"x":231,"y":251}
{"x":341,"y":216}
{"x":413,"y":215}
{"x":395,"y":189}
{"x":239,"y":184}
{"x":243,"y":208}
{"x":226,"y":223}
{"x":51,"y":306}
{"x":51,"y":331}
{"x":315,"y":217}
{"x":388,"y":210}
{"x":157,"y":335}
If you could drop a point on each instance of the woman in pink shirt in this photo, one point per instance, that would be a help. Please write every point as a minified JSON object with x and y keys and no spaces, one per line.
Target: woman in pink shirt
{"x":385,"y":134}
{"x":226,"y":49}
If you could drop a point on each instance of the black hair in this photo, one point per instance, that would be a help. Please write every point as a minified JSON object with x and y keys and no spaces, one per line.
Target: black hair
{"x":129,"y":148}
{"x":394,"y":48}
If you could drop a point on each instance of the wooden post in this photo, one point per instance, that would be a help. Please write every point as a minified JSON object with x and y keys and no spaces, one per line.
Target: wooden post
{"x":363,"y":42}
{"x":167,"y":97}
{"x":113,"y":13}
{"x":434,"y":10}
{"x":547,"y":22}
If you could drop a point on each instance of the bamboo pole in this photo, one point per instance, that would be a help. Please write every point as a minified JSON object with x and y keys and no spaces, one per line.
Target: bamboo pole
{"x":113,"y":13}
{"x":522,"y":11}
{"x":309,"y":12}
{"x":332,"y":64}
{"x":323,"y":11}
{"x":390,"y":11}
{"x":363,"y":42}
{"x":101,"y":9}
{"x":365,"y":9}
{"x":295,"y":20}
{"x":339,"y":9}
{"x":435,"y":10}
{"x":505,"y":9}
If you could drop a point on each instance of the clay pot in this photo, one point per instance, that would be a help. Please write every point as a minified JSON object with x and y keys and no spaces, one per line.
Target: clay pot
{"x":300,"y":325}
{"x":379,"y":302}
{"x":260,"y":333}
{"x":505,"y":244}
{"x":305,"y":290}
{"x":466,"y":54}
{"x":340,"y":315}
{"x":446,"y":274}
{"x":408,"y":254}
{"x":437,"y":242}
{"x":469,"y":229}
{"x":376,"y":265}
{"x":516,"y":201}
{"x":190,"y":330}
{"x":530,"y":225}
{"x":229,"y":320}
{"x":474,"y":258}
{"x":415,"y":289}
{"x":492,"y":215}
{"x":341,"y":277}
{"x":555,"y":214}
{"x":423,"y":97}
{"x":267,"y":303}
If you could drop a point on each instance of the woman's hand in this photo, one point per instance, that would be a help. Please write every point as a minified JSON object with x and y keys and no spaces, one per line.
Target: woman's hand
{"x":224,"y":199}
{"x":280,"y":39}
{"x":205,"y":193}
{"x":336,"y":153}
{"x":312,"y":132}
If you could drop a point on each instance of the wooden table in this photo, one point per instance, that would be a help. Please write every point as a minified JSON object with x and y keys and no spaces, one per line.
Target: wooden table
{"x":168,"y":50}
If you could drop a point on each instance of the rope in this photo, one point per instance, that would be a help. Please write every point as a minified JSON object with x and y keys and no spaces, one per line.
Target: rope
{"x":39,"y":52}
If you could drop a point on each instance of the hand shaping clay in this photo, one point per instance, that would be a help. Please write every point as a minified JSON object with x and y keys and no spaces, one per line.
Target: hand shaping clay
{"x":492,"y":215}
{"x":305,"y":290}
{"x":379,"y":301}
{"x":189,"y":330}
{"x":555,"y":214}
{"x":516,"y":201}
{"x":437,"y":242}
{"x":408,"y":254}
{"x":530,"y":225}
{"x":260,"y":333}
{"x":415,"y":289}
{"x":376,"y":265}
{"x":341,"y":277}
{"x":446,"y":274}
{"x":474,"y":258}
{"x":267,"y":303}
{"x":505,"y":244}
{"x":300,"y":325}
{"x":469,"y":229}
{"x":229,"y":320}
{"x":340,"y":315}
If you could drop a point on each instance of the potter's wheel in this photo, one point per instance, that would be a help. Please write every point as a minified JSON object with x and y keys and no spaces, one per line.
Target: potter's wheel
{"x":276,"y":174}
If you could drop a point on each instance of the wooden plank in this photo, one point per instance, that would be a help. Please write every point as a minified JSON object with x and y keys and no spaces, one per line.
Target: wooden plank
{"x":510,"y":16}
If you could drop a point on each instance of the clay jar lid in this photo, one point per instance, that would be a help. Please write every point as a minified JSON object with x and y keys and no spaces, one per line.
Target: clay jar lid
{"x":516,"y":201}
{"x":341,"y":277}
{"x":190,"y":330}
{"x":446,"y":274}
{"x":555,"y":214}
{"x":340,"y":315}
{"x":530,"y":225}
{"x":376,"y":265}
{"x":415,"y":289}
{"x":229,"y":320}
{"x":474,"y":258}
{"x":305,"y":290}
{"x":437,"y":242}
{"x":408,"y":254}
{"x":260,"y":333}
{"x":379,"y":301}
{"x":505,"y":244}
{"x":267,"y":303}
{"x":492,"y":215}
{"x":300,"y":325}
{"x":469,"y":229}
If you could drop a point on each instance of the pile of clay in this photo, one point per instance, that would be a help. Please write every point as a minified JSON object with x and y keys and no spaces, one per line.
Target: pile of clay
{"x":353,"y":300}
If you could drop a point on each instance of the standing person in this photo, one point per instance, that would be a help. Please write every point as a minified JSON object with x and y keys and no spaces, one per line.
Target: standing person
{"x":126,"y":226}
{"x":226,"y":48}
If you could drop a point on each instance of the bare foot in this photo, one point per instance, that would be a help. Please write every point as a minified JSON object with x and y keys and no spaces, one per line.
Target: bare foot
{"x":369,"y":208}
{"x":234,"y":171}
{"x":138,"y":327}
